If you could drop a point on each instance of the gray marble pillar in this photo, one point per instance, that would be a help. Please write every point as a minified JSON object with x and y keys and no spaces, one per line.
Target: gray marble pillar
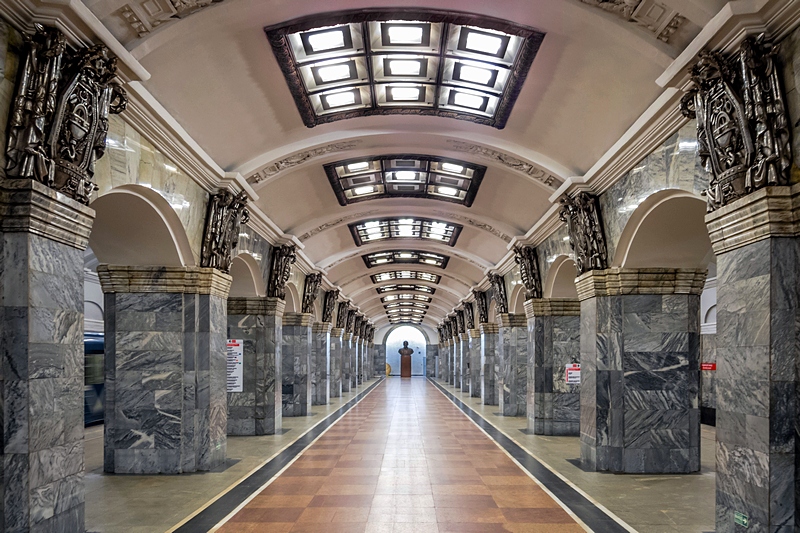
{"x":708,"y":378}
{"x":490,"y":337}
{"x":640,"y":369}
{"x":320,"y":363}
{"x":41,"y":326}
{"x":347,"y":361}
{"x":475,"y":363}
{"x":296,"y":363}
{"x":336,"y":363}
{"x":258,"y":322}
{"x":431,"y":353}
{"x":380,"y":360}
{"x":165,"y":368}
{"x":438,"y":365}
{"x":756,"y":243}
{"x":444,"y":360}
{"x":371,"y":359}
{"x":512,"y":366}
{"x":456,"y":359}
{"x":364,"y":359}
{"x":554,"y":341}
{"x":355,"y":357}
{"x":465,"y":353}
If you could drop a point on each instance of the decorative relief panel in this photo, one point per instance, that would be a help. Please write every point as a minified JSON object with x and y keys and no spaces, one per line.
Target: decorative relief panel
{"x":508,"y":161}
{"x":528,"y":261}
{"x":483,"y":306}
{"x":329,"y":305}
{"x":283,"y":258}
{"x":144,"y":16}
{"x":224,"y":217}
{"x":469,"y":315}
{"x":586,"y":236}
{"x":499,"y":293}
{"x":743,"y":130}
{"x":299,"y":158}
{"x":653,"y":16}
{"x":58,"y":121}
{"x":310,"y":288}
{"x":341,"y":315}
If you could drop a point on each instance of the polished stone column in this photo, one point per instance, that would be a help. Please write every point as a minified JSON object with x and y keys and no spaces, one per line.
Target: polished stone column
{"x":380,"y":360}
{"x":320,"y":363}
{"x":444,"y":360}
{"x":456,"y":358}
{"x":347,"y":361}
{"x":355,"y":352}
{"x":475,"y":364}
{"x":371,"y":359}
{"x":465,"y":353}
{"x":336,"y":363}
{"x":43,"y":238}
{"x":640,"y":369}
{"x":490,"y":338}
{"x":756,"y":243}
{"x":364,"y":361}
{"x":296,"y":359}
{"x":512,"y":366}
{"x":431,"y":353}
{"x":554,"y":341}
{"x":258,"y":322}
{"x":166,"y":368}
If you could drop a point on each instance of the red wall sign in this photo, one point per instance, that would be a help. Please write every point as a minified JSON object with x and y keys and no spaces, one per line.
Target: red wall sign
{"x":708,"y":366}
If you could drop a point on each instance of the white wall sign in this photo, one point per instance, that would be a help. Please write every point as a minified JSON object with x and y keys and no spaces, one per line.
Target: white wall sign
{"x":573,"y":374}
{"x":235,"y":365}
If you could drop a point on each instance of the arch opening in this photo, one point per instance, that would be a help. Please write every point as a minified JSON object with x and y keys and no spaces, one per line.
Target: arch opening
{"x":247,"y":281}
{"x":293,"y":302}
{"x":416,"y":341}
{"x":560,"y":282}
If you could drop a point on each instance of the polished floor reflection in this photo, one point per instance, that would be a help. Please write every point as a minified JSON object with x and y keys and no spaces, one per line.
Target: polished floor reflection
{"x":404,"y":459}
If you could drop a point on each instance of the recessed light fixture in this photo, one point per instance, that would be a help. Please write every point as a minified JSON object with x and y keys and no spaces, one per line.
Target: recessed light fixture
{"x":367,"y":189}
{"x":452,"y":167}
{"x":406,"y":256}
{"x":491,"y":55}
{"x":449,"y":191}
{"x":405,"y":175}
{"x":355,"y":167}
{"x":406,"y":274}
{"x":340,"y":99}
{"x":472,"y":101}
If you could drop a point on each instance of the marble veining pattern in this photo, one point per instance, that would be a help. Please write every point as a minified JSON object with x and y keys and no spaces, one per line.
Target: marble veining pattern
{"x":554,"y":246}
{"x":512,"y":365}
{"x":335,"y":375}
{"x":320,"y":364}
{"x":296,"y":363}
{"x":431,"y":355}
{"x":347,"y":380}
{"x":489,"y":363}
{"x":464,"y":352}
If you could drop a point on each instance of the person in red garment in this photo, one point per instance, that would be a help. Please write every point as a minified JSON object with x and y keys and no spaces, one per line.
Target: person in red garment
{"x":405,"y":360}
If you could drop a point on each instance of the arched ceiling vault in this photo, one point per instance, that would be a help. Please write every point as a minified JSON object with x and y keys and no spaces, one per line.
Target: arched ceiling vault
{"x":214,"y":71}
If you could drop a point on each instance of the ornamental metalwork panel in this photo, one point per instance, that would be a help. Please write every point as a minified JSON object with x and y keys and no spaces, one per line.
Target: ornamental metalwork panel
{"x":460,"y":320}
{"x":586,"y":235}
{"x":528,"y":260}
{"x":483,"y":306}
{"x":499,"y":292}
{"x":283,"y":257}
{"x":469,"y":315}
{"x":743,"y":130}
{"x":225,"y":214}
{"x":329,"y":304}
{"x":341,"y":315}
{"x":310,"y":288}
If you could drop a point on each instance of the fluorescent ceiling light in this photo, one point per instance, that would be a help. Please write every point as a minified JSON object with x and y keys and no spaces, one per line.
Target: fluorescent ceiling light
{"x":328,"y":40}
{"x":380,"y":261}
{"x":406,"y":255}
{"x":405,"y":175}
{"x":406,"y":35}
{"x":372,"y":224}
{"x":430,"y":261}
{"x":485,"y":44}
{"x":406,"y":221}
{"x":364,"y":190}
{"x":438,"y":228}
{"x":405,"y":231}
{"x":404,"y":67}
{"x":451,"y":167}
{"x":373,"y":230}
{"x":355,"y":167}
{"x":449,"y":191}
{"x":475,"y":74}
{"x":335,"y":72}
{"x":342,"y":99}
{"x":374,"y":236}
{"x":405,"y":93}
{"x":467,"y":100}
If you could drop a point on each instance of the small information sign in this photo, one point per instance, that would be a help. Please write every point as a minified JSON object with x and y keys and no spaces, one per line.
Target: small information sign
{"x":741,"y":519}
{"x":235,"y":365}
{"x":574,"y":374}
{"x":708,"y":366}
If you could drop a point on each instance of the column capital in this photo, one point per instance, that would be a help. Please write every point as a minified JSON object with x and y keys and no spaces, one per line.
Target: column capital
{"x":474,"y":333}
{"x":321,"y":327}
{"x":764,"y":213}
{"x":256,"y":306}
{"x":489,"y":328}
{"x":552,"y":307}
{"x":511,"y":320}
{"x":27,"y":206}
{"x":298,"y":319}
{"x":337,"y":332}
{"x":347,"y":335}
{"x":168,"y":279}
{"x":463,"y":336}
{"x":618,"y":281}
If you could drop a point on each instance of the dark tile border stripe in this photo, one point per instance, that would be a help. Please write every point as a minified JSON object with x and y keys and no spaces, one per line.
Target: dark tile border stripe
{"x":214,"y":513}
{"x":592,"y":516}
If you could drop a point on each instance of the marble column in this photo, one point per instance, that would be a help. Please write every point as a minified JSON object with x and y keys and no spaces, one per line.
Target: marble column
{"x":258,"y":322}
{"x":756,"y":243}
{"x":165,"y":368}
{"x":465,"y":353}
{"x":336,"y":363}
{"x":43,"y":238}
{"x":355,"y":353}
{"x":296,"y":363}
{"x":554,"y":341}
{"x":640,"y":369}
{"x":475,"y":363}
{"x":456,"y":358}
{"x":380,"y":360}
{"x":431,"y":353}
{"x":371,"y":359}
{"x":444,"y":360}
{"x":347,"y":378}
{"x":512,"y":365}
{"x":320,"y":363}
{"x":364,"y":361}
{"x":490,"y":337}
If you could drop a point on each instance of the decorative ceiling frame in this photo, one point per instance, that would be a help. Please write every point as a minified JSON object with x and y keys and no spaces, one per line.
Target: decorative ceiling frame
{"x":406,"y":297}
{"x":395,"y":275}
{"x":402,"y":287}
{"x":431,"y":24}
{"x":405,"y":257}
{"x":419,"y":228}
{"x":431,"y":177}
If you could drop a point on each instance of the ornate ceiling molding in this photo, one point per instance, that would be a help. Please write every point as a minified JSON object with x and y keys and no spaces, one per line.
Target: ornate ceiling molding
{"x":143,"y":16}
{"x":273,"y":169}
{"x":474,"y":223}
{"x":655,"y":17}
{"x":508,"y":161}
{"x":333,"y":223}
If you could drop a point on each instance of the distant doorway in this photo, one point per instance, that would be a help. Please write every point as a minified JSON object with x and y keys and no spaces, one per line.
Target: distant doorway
{"x":416,"y":341}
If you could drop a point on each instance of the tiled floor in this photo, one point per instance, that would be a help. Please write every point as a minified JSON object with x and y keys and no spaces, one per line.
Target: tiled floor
{"x":405,"y":459}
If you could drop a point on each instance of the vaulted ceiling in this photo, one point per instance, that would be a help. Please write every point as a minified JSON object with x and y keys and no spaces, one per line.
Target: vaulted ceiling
{"x":594,"y":74}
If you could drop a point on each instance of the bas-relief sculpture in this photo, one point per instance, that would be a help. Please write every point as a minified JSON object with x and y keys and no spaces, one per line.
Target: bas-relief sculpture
{"x":283,"y":257}
{"x":313,"y":281}
{"x":483,"y":306}
{"x":328,"y":305}
{"x":528,"y":261}
{"x":299,"y":158}
{"x":499,"y":292}
{"x":469,"y":315}
{"x":639,"y":12}
{"x":586,"y":236}
{"x":59,"y":117}
{"x":508,"y":161}
{"x":341,"y":315}
{"x":742,"y":126}
{"x":225,"y":214}
{"x":460,"y":321}
{"x":143,"y":16}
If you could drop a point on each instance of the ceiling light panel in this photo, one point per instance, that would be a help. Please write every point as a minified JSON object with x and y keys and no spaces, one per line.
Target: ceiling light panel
{"x":405,"y":287}
{"x":405,"y":256}
{"x":405,"y":297}
{"x":402,"y":60}
{"x":405,"y":175}
{"x":405,"y":275}
{"x":404,"y":228}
